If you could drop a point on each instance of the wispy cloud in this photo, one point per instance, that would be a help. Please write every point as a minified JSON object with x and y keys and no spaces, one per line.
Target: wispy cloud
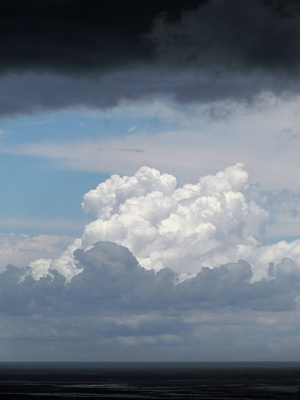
{"x":192,"y":148}
{"x":44,"y":223}
{"x":20,"y":250}
{"x":133,"y":128}
{"x":3,"y":133}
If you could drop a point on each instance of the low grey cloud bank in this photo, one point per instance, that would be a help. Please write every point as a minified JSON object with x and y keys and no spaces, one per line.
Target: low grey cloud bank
{"x":114,"y":308}
{"x":111,"y":280}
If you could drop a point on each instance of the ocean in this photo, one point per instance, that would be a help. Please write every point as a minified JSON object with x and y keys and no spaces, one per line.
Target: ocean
{"x":183,"y":380}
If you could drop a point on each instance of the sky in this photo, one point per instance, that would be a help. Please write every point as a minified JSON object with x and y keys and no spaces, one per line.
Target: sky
{"x":150,"y":204}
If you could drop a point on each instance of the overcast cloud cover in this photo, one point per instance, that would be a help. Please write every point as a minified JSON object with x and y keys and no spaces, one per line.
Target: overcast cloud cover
{"x":69,"y":54}
{"x":178,"y":123}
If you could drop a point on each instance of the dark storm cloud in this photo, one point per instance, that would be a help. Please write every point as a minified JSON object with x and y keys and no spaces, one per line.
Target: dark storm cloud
{"x":233,"y":35}
{"x":85,"y":36}
{"x":30,"y":93}
{"x":61,"y":54}
{"x":79,"y":36}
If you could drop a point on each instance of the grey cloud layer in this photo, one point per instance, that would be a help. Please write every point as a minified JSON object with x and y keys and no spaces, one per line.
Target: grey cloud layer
{"x":239,"y":36}
{"x":114,"y":308}
{"x":112,"y":280}
{"x":94,"y":54}
{"x":92,"y":35}
{"x":29,"y":93}
{"x":80,"y":36}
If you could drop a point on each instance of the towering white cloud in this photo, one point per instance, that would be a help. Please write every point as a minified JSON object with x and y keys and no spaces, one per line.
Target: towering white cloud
{"x":181,"y":228}
{"x":216,"y":221}
{"x":169,"y":272}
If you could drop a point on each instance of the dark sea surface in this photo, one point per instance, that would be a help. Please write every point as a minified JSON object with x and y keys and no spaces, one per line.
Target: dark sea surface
{"x":149,"y":381}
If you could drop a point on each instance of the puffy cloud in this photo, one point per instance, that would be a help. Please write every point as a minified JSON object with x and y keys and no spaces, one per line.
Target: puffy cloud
{"x":209,"y":279}
{"x":111,"y":276}
{"x":181,"y":228}
{"x":219,"y":220}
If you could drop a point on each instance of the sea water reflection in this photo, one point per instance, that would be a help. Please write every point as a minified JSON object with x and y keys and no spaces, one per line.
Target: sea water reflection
{"x":150,"y":380}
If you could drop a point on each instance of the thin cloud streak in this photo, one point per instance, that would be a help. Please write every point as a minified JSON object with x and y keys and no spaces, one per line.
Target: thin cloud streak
{"x":42,"y":223}
{"x":20,"y":250}
{"x":196,"y":146}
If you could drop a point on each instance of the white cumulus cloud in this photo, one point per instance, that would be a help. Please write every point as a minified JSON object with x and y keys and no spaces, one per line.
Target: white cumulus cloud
{"x":173,"y":272}
{"x":219,"y":220}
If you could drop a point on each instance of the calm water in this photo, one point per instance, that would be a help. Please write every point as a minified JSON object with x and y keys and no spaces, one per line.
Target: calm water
{"x":150,"y":381}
